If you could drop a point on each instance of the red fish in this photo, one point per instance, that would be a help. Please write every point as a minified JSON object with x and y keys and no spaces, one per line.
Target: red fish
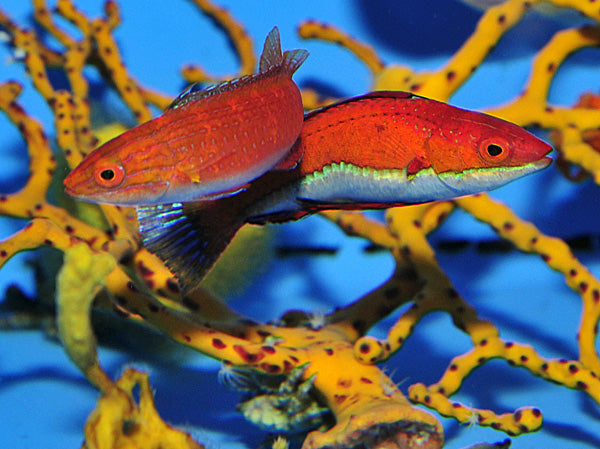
{"x":376,"y":151}
{"x":207,"y":143}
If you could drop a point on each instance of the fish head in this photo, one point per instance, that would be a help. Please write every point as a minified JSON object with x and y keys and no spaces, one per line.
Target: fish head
{"x":116,"y":174}
{"x":478,"y":152}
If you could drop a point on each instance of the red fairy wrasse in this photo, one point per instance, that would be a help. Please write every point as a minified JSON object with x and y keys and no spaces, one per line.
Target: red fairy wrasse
{"x":207,"y":143}
{"x":376,"y":151}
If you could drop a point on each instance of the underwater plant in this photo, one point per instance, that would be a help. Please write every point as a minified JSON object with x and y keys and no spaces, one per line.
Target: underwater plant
{"x":306,"y":371}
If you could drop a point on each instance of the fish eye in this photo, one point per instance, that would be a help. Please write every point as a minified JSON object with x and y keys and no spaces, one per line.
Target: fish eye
{"x":494,"y":150}
{"x":109,"y":175}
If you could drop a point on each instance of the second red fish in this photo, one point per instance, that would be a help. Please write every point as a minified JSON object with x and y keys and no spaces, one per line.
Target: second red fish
{"x":207,"y":144}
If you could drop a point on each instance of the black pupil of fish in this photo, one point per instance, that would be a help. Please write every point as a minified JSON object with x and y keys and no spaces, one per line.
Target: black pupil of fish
{"x":107,"y":174}
{"x":494,"y":150}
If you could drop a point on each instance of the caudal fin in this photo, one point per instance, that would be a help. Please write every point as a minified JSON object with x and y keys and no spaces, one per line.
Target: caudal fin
{"x":272,"y":56}
{"x":188,"y":237}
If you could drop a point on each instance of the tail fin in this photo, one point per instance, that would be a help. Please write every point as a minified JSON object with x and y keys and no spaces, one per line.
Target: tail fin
{"x":272,"y":57}
{"x":188,"y":237}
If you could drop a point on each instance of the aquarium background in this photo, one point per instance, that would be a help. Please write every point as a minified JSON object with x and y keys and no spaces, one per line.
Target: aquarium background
{"x":44,"y":399}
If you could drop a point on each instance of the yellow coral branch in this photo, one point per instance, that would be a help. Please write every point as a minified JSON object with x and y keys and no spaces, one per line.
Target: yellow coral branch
{"x":556,"y":253}
{"x":311,"y":29}
{"x":119,"y":421}
{"x":522,"y":420}
{"x":77,"y":284}
{"x":111,"y":57}
{"x":239,"y":38}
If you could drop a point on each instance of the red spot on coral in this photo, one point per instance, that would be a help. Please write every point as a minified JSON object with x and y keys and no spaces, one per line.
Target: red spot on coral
{"x":248,"y":357}
{"x":3,"y":253}
{"x":536,"y":412}
{"x":365,"y":380}
{"x":187,"y":338}
{"x":596,"y":295}
{"x":518,"y":416}
{"x":573,"y":368}
{"x":144,"y":270}
{"x":450,"y":75}
{"x":344,"y":383}
{"x":294,"y":359}
{"x":218,"y":343}
{"x":583,"y":286}
{"x":339,"y":398}
{"x":453,"y":367}
{"x":287,"y":366}
{"x":328,"y":351}
{"x":268,"y":349}
{"x":364,"y":348}
{"x":48,"y":242}
{"x":270,"y":368}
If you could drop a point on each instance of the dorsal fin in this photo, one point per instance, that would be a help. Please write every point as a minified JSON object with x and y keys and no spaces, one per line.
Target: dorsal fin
{"x":271,"y":55}
{"x":397,"y":94}
{"x":293,"y":59}
{"x":196,"y":92}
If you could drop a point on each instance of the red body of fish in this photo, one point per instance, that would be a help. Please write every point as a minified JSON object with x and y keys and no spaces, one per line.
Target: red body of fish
{"x":207,"y":143}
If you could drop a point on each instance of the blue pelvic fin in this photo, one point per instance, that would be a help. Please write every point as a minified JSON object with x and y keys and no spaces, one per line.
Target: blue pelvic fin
{"x":188,"y":237}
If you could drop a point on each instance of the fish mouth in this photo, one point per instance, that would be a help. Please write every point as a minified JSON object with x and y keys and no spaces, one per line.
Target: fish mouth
{"x":71,"y":192}
{"x":544,"y":162}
